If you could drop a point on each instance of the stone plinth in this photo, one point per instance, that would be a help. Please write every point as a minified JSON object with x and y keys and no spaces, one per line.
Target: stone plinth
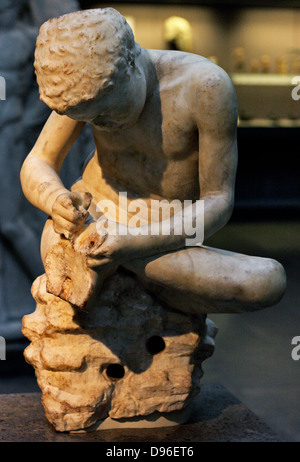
{"x":217,"y":416}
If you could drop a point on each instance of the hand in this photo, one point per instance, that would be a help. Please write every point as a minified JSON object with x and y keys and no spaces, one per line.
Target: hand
{"x":104,"y":242}
{"x":69,"y":213}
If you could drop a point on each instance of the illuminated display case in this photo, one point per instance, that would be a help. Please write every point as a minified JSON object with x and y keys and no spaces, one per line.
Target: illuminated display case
{"x":259,"y":46}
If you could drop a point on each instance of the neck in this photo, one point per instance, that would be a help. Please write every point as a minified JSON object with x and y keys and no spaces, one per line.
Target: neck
{"x":149,"y":70}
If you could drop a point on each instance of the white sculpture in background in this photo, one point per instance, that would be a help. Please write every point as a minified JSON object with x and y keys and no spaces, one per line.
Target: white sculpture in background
{"x":164,"y":124}
{"x":178,"y":33}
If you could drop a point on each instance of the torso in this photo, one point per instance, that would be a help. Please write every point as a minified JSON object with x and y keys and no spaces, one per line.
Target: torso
{"x":158,"y":157}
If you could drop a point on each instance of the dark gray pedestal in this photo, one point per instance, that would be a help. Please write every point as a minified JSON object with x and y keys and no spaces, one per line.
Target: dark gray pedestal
{"x":217,"y":416}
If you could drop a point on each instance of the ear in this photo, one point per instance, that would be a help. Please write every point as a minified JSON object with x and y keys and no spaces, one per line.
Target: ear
{"x":131,"y":60}
{"x":108,"y":86}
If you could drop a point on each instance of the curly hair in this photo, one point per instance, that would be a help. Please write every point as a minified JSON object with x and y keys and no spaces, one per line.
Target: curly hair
{"x":79,"y":54}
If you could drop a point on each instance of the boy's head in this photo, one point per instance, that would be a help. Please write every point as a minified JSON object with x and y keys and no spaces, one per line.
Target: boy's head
{"x":79,"y":54}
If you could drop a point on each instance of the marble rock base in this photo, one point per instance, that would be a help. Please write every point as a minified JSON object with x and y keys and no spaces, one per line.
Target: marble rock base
{"x":124,"y":361}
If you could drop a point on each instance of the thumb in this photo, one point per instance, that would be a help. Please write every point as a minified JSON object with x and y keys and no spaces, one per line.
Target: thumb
{"x":82,"y":200}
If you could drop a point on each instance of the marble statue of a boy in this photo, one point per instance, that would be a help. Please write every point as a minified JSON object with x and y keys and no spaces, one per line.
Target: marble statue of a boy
{"x":164,"y":124}
{"x":120,"y":328}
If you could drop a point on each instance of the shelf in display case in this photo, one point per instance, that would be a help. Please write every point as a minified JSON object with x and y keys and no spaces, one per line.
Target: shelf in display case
{"x":268,"y":100}
{"x":211,"y":3}
{"x":263,"y":79}
{"x":267,"y":123}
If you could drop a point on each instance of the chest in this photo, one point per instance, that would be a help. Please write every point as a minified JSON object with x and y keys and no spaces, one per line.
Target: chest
{"x":159,"y":154}
{"x":163,"y":134}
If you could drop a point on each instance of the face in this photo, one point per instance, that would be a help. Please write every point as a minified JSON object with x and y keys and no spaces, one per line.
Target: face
{"x":115,"y":109}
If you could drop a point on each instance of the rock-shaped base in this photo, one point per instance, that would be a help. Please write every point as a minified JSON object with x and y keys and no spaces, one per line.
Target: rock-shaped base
{"x":125,"y":357}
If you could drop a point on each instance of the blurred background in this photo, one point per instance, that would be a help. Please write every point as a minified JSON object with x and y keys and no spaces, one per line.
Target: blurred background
{"x":258,"y":44}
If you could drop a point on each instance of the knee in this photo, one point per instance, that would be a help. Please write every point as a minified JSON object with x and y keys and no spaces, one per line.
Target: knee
{"x":267,"y":285}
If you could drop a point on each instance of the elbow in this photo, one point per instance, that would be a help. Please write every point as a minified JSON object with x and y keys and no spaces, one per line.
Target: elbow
{"x":24,"y":175}
{"x":225,"y":209}
{"x":218,"y":211}
{"x":228,"y":209}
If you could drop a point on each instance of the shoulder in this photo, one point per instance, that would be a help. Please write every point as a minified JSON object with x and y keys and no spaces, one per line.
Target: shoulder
{"x":207,"y":80}
{"x":211,"y":95}
{"x":198,"y":85}
{"x":195,"y":70}
{"x":201,"y":80}
{"x":207,"y":74}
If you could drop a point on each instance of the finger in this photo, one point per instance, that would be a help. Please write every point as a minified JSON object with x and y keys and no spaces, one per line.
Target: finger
{"x":81,"y":200}
{"x":71,"y":213}
{"x":63,"y":226}
{"x":102,"y":225}
{"x":65,"y":200}
{"x":100,"y":251}
{"x":86,"y":199}
{"x":89,"y":242}
{"x":100,"y":262}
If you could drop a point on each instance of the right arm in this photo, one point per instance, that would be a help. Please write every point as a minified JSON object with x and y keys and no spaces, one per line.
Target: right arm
{"x":40,"y":178}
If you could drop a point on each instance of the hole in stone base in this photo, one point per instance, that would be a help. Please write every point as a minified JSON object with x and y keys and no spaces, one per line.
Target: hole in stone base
{"x":115,"y":371}
{"x":155,"y":344}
